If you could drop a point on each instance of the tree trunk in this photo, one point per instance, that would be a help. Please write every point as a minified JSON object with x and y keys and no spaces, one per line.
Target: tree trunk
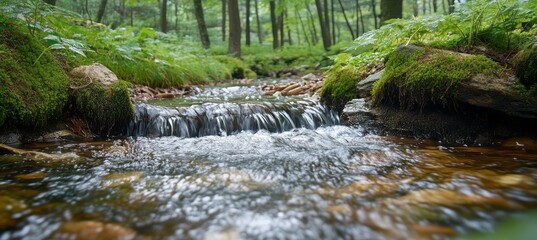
{"x":281,"y":28}
{"x":424,"y":6}
{"x":347,"y":20}
{"x":247,"y":27}
{"x":302,"y":26}
{"x":374,"y":12}
{"x":289,"y":36}
{"x":101,"y":11}
{"x":390,"y":9}
{"x":274,"y":23}
{"x":435,"y":6}
{"x":451,"y":6}
{"x":51,"y":2}
{"x":258,"y":23}
{"x":333,"y":21}
{"x":234,"y":48}
{"x":327,"y":20}
{"x":325,"y":32}
{"x":204,"y":35}
{"x":415,"y":8}
{"x":224,"y":19}
{"x":164,"y":16}
{"x":176,"y":3}
{"x":314,"y":38}
{"x":361,"y":19}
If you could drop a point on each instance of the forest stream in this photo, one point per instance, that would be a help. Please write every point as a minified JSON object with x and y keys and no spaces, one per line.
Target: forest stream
{"x":229,"y":162}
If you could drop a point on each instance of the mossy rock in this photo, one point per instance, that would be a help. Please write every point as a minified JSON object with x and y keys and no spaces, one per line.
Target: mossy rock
{"x":33,"y":87}
{"x":107,"y":109}
{"x":340,"y":85}
{"x":421,"y":77}
{"x":525,"y":64}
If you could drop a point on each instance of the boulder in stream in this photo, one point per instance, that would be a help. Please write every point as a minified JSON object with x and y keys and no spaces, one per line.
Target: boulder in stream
{"x":101,"y":99}
{"x":444,"y":95}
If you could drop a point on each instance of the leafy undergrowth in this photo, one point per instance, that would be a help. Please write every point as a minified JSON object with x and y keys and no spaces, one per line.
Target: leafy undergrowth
{"x":495,"y":29}
{"x":144,"y":56}
{"x":33,"y":87}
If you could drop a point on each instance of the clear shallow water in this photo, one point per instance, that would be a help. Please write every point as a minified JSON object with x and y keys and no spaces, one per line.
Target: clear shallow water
{"x":330,"y":182}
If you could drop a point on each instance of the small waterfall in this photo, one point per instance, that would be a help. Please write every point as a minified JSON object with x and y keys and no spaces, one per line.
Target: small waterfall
{"x":228,"y":118}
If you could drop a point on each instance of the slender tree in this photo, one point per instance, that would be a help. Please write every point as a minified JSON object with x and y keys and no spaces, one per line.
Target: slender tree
{"x":311,"y":20}
{"x":302,"y":27}
{"x":347,"y":20}
{"x":374,"y":12}
{"x":325,"y":31}
{"x":224,"y":20}
{"x":390,"y":9}
{"x":204,"y":35}
{"x":164,"y":16}
{"x":327,"y":20}
{"x":247,"y":27}
{"x":359,"y":19}
{"x":415,"y":9}
{"x":333,"y":21}
{"x":435,"y":6}
{"x":101,"y":11}
{"x":451,"y":6}
{"x":274,"y":23}
{"x":258,"y":23}
{"x":234,"y":47}
{"x":281,"y":27}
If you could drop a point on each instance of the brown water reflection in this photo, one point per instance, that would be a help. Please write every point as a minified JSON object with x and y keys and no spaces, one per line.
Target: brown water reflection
{"x":330,"y":183}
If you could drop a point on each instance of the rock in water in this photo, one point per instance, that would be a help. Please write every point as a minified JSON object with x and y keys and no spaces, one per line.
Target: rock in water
{"x":102,"y":101}
{"x":82,"y":230}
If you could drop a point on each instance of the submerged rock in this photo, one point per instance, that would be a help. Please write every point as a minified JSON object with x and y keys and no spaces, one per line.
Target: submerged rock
{"x":93,"y":230}
{"x":38,"y":156}
{"x":119,"y":179}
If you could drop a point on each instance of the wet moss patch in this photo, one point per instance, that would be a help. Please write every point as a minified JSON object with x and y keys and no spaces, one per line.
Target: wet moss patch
{"x":525,"y":64}
{"x":33,"y":87}
{"x":418,"y":77}
{"x":340,"y":85}
{"x":107,"y":109}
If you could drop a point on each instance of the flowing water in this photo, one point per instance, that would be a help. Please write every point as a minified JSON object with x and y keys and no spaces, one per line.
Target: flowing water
{"x":229,"y":163}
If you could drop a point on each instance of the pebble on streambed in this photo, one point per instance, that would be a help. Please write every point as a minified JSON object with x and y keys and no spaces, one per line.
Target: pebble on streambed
{"x":310,"y":84}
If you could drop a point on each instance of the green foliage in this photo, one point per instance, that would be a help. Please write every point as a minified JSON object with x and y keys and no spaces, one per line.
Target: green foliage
{"x":421,"y":76}
{"x":525,"y":63}
{"x":503,"y":25}
{"x":267,"y":62}
{"x":34,"y":87}
{"x":105,"y":108}
{"x":340,"y":83}
{"x":237,"y":68}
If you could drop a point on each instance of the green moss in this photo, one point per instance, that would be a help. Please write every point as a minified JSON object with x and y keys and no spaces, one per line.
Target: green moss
{"x":31,"y":93}
{"x":525,"y":64}
{"x":340,"y":85}
{"x":237,"y":68}
{"x":106,"y":109}
{"x":419,"y":77}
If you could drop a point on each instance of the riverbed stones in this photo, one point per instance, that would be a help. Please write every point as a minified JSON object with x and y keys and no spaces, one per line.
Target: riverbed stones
{"x":120,"y":179}
{"x":309,"y":85}
{"x":38,"y":156}
{"x":83,"y":230}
